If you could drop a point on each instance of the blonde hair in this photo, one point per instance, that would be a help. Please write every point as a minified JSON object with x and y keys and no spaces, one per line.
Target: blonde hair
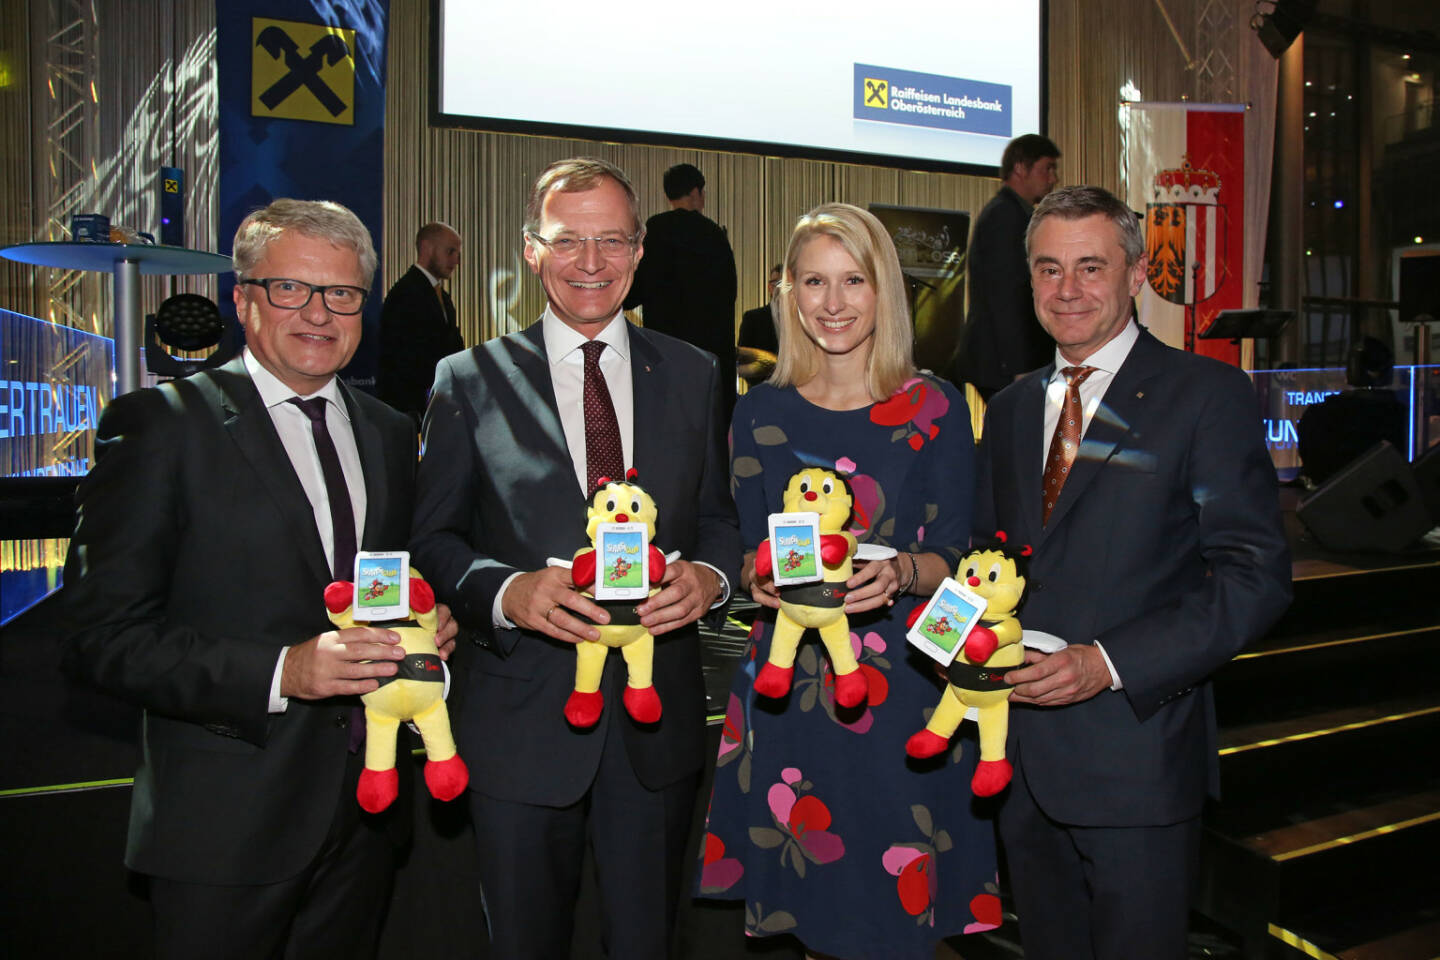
{"x":869,"y":245}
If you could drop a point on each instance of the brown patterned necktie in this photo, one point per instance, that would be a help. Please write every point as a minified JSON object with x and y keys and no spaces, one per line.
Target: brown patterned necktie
{"x":604,"y":456}
{"x":1065,"y":442}
{"x":342,"y":512}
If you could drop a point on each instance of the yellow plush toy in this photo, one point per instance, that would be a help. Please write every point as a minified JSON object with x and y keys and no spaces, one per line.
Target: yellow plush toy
{"x":414,"y":693}
{"x":977,"y":674}
{"x":616,"y":501}
{"x":818,"y":605}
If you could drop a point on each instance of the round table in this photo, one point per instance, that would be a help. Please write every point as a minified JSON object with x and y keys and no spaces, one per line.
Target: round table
{"x":126,"y":261}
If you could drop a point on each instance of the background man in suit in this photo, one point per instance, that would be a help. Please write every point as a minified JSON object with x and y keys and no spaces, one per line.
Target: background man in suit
{"x":517,"y":431}
{"x":758,"y":344}
{"x":1002,"y":338}
{"x":218,"y":511}
{"x":686,"y":282}
{"x":417,"y":322}
{"x":1158,"y":554}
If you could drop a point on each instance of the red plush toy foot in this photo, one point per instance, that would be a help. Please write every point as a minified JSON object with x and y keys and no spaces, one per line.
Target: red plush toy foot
{"x":774,"y":681}
{"x":377,"y":789}
{"x":583,"y":709}
{"x":926,"y":744}
{"x":643,"y":704}
{"x":991,"y":776}
{"x":447,"y":779}
{"x":852,"y":689}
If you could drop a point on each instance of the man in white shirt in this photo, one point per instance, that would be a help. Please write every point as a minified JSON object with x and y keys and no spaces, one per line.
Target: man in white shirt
{"x":518,"y":432}
{"x":219,"y":509}
{"x":1139,"y":476}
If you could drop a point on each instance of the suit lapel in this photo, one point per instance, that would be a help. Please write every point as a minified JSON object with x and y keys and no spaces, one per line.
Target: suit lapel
{"x":372,"y":467}
{"x":1029,"y":455}
{"x":648,"y":379}
{"x":535,"y":390}
{"x":253,"y":432}
{"x":1110,"y":426}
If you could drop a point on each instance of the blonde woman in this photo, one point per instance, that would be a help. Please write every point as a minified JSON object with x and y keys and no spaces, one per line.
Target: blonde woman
{"x":818,"y":820}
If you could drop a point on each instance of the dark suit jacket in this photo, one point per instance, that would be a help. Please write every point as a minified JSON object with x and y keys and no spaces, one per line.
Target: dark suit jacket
{"x":498,"y":495}
{"x":194,"y":560}
{"x":757,"y":330}
{"x":415,"y":334}
{"x":1166,"y":547}
{"x":1002,"y":337}
{"x":686,"y":282}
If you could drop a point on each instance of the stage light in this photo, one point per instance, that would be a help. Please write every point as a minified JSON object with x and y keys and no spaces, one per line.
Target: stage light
{"x":1419,"y":239}
{"x":1339,"y":204}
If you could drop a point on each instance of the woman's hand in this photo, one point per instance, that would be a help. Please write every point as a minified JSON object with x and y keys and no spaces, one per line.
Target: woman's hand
{"x":762,"y":589}
{"x":874,"y":584}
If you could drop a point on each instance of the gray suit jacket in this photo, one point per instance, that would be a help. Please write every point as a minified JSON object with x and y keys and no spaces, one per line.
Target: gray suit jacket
{"x":498,"y":495}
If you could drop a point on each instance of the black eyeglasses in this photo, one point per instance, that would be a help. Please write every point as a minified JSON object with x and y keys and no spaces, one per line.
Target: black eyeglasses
{"x":295,"y":294}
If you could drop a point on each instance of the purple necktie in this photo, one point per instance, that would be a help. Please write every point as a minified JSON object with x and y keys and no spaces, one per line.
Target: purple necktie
{"x":604,"y":456}
{"x":342,"y":513}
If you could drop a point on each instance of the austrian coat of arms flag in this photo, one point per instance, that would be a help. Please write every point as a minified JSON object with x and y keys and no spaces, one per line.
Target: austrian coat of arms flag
{"x":1186,"y":171}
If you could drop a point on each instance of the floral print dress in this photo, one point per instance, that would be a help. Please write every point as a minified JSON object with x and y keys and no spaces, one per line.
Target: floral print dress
{"x":818,"y":819}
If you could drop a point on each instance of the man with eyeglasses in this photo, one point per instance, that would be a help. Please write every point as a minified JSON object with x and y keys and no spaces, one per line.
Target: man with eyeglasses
{"x":519,"y":432}
{"x":218,"y":511}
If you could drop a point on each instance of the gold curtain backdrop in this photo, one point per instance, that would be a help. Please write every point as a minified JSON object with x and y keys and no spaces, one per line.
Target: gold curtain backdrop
{"x":154,"y":76}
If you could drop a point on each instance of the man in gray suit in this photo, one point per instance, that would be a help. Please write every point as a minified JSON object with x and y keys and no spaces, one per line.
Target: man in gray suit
{"x":518,"y":431}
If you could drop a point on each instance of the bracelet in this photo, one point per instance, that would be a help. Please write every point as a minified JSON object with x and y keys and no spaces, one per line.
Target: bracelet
{"x":914,"y":575}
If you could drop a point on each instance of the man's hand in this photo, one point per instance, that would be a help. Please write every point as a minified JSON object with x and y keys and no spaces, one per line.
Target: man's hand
{"x":761,"y":586}
{"x":544,"y":601}
{"x":686,"y":592}
{"x":1071,"y":675}
{"x":446,"y":630}
{"x":333,"y":664}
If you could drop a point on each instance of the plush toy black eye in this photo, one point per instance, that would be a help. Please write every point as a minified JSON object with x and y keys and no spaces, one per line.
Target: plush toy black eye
{"x":610,"y":505}
{"x":805,"y":485}
{"x":635,"y":505}
{"x":828,"y":486}
{"x":970,"y":571}
{"x":995,"y":573}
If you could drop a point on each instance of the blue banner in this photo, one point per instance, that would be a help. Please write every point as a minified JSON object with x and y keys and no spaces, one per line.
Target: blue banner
{"x":302,"y":114}
{"x":888,"y":95}
{"x":54,"y":381}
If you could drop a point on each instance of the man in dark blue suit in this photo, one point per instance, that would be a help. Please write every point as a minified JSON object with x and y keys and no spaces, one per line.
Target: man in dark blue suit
{"x":1147,"y":494}
{"x":515,"y":436}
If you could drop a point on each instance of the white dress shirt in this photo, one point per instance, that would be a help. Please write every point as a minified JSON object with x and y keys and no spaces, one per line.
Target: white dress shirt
{"x":1106,"y":361}
{"x":567,"y":376}
{"x":296,"y":435}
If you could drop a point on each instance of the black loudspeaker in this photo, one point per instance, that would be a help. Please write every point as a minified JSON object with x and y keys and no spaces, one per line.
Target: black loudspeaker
{"x":1279,"y":28}
{"x":172,"y":206}
{"x":1420,"y":286}
{"x":1373,"y":504}
{"x":1427,"y":477}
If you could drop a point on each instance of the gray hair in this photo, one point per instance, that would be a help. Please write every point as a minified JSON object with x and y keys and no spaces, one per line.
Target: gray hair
{"x":1079,"y":202}
{"x":318,"y":219}
{"x":573,"y":175}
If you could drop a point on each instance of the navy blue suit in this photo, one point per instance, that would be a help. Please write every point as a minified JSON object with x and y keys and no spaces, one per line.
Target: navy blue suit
{"x":1165,"y":546}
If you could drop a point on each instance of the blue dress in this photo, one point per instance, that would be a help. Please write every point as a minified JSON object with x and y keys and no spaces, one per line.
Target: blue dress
{"x":818,"y":819}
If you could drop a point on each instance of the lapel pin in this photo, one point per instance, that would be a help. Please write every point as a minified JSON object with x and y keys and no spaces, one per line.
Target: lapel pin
{"x":1140,"y":395}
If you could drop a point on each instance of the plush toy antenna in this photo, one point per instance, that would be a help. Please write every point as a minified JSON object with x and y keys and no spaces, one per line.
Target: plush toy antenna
{"x":631,"y":474}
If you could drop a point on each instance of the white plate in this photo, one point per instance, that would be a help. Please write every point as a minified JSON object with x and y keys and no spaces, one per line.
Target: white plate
{"x":874,"y":551}
{"x":1042,"y":641}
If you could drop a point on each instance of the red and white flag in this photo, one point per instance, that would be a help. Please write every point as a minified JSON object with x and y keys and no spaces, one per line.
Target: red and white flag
{"x":1185,"y":165}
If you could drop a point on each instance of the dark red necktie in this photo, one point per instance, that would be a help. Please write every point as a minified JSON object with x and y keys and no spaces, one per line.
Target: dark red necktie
{"x":604,"y":457}
{"x":1065,"y":442}
{"x":342,"y":514}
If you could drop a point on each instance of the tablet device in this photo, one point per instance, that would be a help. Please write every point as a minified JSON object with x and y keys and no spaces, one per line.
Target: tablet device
{"x":946,"y":620}
{"x":622,"y":569}
{"x":382,"y":585}
{"x":795,"y":548}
